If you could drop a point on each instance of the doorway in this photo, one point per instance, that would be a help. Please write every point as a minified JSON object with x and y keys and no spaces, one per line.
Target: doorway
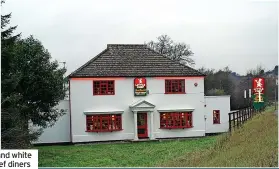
{"x":142,"y":125}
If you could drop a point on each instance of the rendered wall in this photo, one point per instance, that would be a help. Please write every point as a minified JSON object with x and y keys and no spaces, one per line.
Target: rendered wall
{"x":60,"y":132}
{"x":221,"y":103}
{"x":82,"y":99}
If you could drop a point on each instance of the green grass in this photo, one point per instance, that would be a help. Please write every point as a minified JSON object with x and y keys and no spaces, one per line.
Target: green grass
{"x":254,"y":145}
{"x":141,"y":154}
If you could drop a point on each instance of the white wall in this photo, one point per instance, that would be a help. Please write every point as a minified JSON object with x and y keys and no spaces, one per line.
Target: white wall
{"x":82,"y":99}
{"x":221,"y":103}
{"x":60,"y":132}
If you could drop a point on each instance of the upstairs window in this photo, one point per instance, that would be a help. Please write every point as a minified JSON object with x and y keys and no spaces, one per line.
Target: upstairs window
{"x":175,"y":86}
{"x":176,"y":120}
{"x":103,"y":123}
{"x":103,"y":87}
{"x":216,"y":116}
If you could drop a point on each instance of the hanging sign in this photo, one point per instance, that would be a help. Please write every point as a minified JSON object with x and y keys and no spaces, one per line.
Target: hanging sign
{"x":258,"y":92}
{"x":140,"y":86}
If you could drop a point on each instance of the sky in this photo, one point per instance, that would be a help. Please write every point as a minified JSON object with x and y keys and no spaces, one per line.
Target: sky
{"x":240,"y":34}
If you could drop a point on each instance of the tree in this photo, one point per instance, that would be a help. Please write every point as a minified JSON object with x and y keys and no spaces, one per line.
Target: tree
{"x":32,"y":85}
{"x":10,"y":121}
{"x":208,"y":80}
{"x":40,"y":81}
{"x":219,"y":83}
{"x":258,"y":71}
{"x":216,"y":92}
{"x":175,"y":51}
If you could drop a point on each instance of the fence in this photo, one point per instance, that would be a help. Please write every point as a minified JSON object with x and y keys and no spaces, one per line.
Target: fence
{"x":239,"y":117}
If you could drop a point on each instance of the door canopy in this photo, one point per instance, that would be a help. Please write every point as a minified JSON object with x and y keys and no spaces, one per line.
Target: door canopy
{"x":142,"y":105}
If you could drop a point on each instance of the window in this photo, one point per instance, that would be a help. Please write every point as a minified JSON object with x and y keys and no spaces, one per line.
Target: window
{"x":216,"y":116}
{"x":103,"y":122}
{"x":175,"y":86}
{"x":103,"y":87}
{"x":176,"y":120}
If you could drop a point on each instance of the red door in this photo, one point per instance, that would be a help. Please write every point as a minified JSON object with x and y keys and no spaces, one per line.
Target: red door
{"x":142,"y":125}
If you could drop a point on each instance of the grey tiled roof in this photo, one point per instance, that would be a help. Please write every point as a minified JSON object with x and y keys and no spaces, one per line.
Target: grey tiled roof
{"x":132,"y":61}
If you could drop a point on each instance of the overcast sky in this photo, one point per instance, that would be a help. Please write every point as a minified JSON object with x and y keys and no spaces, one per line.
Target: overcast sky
{"x":238,"y":33}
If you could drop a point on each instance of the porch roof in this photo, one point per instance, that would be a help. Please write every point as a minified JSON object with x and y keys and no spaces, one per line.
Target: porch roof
{"x":142,"y":105}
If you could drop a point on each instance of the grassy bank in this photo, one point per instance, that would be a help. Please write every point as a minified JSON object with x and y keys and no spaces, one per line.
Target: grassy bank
{"x":254,"y":145}
{"x":143,"y":154}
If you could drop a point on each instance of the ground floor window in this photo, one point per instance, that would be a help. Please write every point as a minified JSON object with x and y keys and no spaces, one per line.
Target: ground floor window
{"x":176,"y":120}
{"x":103,"y":122}
{"x":216,"y":116}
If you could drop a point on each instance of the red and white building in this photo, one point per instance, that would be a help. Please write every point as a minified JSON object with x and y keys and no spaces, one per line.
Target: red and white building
{"x":130,"y":92}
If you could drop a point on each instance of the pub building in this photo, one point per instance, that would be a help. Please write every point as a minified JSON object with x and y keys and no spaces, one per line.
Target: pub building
{"x":131,"y":92}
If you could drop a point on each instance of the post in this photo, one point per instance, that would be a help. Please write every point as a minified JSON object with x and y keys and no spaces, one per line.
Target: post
{"x":237,"y":119}
{"x":230,"y":125}
{"x":245,"y":97}
{"x":243,"y":114}
{"x":241,"y":117}
{"x":250,"y":93}
{"x":249,"y":113}
{"x":136,"y":126}
{"x":151,"y":125}
{"x":246,"y":114}
{"x":233,"y":119}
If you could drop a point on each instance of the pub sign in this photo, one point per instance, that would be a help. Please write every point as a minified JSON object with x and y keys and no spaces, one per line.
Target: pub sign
{"x":140,"y":86}
{"x":258,"y":92}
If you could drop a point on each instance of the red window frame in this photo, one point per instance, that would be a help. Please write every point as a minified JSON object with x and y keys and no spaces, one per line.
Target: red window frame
{"x":216,"y":116}
{"x":176,"y":120}
{"x":103,"y":122}
{"x":175,"y":86}
{"x":103,"y":87}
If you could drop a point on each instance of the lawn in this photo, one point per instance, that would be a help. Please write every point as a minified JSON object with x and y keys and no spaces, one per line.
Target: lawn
{"x":254,"y":145}
{"x":140,"y":154}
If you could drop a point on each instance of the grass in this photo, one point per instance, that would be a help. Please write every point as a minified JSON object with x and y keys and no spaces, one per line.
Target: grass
{"x":254,"y":145}
{"x":141,"y":154}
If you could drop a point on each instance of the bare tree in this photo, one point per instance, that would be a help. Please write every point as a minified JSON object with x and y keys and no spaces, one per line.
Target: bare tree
{"x":175,"y":51}
{"x":258,"y":71}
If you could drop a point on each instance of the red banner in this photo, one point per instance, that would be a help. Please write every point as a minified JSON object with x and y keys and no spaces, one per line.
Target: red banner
{"x":258,"y":85}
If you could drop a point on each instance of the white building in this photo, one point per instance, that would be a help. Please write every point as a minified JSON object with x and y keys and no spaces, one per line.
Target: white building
{"x":130,"y":92}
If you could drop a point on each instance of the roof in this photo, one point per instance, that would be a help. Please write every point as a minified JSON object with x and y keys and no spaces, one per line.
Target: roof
{"x":133,"y":60}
